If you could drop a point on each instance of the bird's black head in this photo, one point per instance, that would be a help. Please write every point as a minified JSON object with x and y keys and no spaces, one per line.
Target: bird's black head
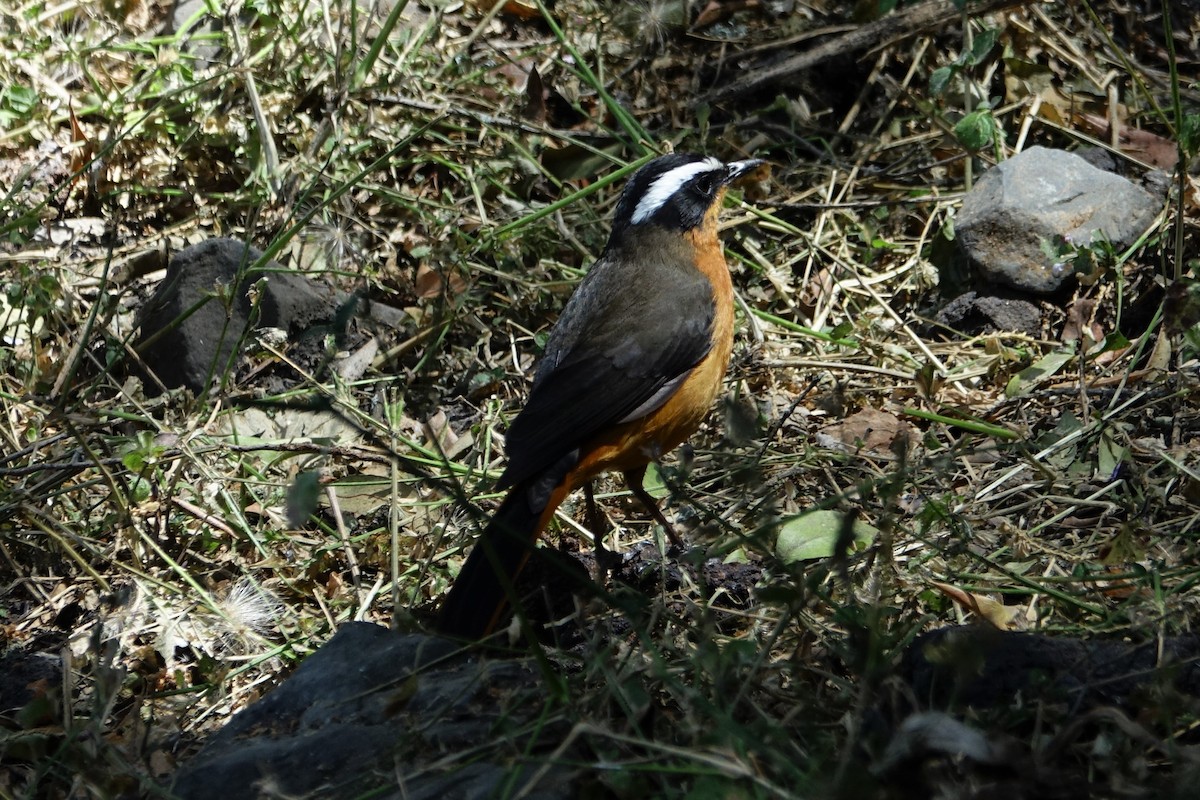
{"x":675,"y":191}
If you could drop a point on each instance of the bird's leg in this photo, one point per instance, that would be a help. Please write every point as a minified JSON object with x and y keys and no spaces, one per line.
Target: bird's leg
{"x":606,"y":560}
{"x":633,"y":479}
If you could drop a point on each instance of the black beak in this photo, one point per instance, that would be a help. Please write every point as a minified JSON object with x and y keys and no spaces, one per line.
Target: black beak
{"x":736,"y":169}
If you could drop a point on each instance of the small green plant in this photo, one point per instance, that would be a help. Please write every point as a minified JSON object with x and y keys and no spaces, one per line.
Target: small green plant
{"x":16,"y":104}
{"x":1088,"y":260}
{"x":980,"y":46}
{"x":978,"y":129}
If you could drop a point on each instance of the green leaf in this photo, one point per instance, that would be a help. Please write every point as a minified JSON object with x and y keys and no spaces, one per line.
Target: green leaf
{"x":976,"y":130}
{"x":302,"y":498}
{"x":948,"y":229}
{"x":842,"y":330}
{"x":814,"y":534}
{"x":972,"y":425}
{"x":1191,"y":340}
{"x":1189,"y":134}
{"x":139,"y":489}
{"x":18,"y":99}
{"x":1115,"y":341}
{"x":1067,"y":425}
{"x":1111,"y":454}
{"x":1124,"y":548}
{"x":1045,"y":367}
{"x":985,"y":40}
{"x":654,"y":483}
{"x":939,"y":80}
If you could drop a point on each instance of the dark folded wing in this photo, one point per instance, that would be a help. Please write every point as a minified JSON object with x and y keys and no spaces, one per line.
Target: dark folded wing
{"x":616,"y":352}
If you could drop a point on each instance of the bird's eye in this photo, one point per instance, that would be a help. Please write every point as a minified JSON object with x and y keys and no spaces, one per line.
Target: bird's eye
{"x":706,"y":183}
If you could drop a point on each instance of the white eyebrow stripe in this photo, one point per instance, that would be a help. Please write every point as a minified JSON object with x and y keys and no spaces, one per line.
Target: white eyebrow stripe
{"x":667,"y":184}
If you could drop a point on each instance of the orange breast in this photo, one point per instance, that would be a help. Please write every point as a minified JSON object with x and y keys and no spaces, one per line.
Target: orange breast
{"x":634,"y":444}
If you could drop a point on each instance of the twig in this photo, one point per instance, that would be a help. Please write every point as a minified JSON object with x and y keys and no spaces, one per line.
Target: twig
{"x":897,"y":25}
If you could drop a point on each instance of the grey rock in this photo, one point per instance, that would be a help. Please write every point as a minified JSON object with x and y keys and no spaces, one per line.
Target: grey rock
{"x":381,"y":714}
{"x":1039,"y":197}
{"x":191,"y":327}
{"x":201,"y":39}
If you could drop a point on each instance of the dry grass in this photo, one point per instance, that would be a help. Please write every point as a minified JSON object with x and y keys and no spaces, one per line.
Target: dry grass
{"x":150,"y":549}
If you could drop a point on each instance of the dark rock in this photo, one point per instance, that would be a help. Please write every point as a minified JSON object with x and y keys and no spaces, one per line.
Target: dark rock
{"x":26,"y":675}
{"x":972,"y":314}
{"x":1038,"y":199}
{"x":191,"y":350}
{"x":1045,"y":689}
{"x":982,"y":667}
{"x":1156,"y":182}
{"x":1098,"y":157}
{"x":934,"y":749}
{"x":376,"y":713}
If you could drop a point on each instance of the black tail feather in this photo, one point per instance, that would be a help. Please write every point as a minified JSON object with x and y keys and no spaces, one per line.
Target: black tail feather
{"x":481,"y":591}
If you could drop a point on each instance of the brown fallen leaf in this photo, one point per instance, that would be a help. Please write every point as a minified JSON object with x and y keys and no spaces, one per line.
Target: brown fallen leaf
{"x":535,"y":98}
{"x":1146,"y":146}
{"x":1081,"y":325}
{"x":451,"y":444}
{"x":1181,"y":310}
{"x":995,"y":613}
{"x":717,"y":10}
{"x":429,"y":283}
{"x":521,"y":9}
{"x":1159,"y":363}
{"x":81,"y":154}
{"x":333,"y":585}
{"x":869,"y":430}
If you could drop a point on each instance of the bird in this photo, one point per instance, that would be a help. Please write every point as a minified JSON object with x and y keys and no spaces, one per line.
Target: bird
{"x":628,"y":372}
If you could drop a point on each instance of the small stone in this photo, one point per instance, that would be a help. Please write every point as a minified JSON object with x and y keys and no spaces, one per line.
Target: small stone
{"x":974,"y":313}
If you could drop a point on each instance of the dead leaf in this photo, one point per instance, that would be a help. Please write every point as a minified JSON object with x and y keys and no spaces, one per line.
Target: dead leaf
{"x":353,"y":366}
{"x":1191,"y":193}
{"x":1000,"y":616}
{"x":869,"y":430}
{"x":1160,"y":357}
{"x":450,"y":443}
{"x":428,"y":283}
{"x":1081,"y":325}
{"x":521,"y":9}
{"x":1146,"y":146}
{"x":535,"y":98}
{"x":716,"y":10}
{"x":1181,"y":309}
{"x":1056,"y":106}
{"x":82,"y":152}
{"x":1025,"y":78}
